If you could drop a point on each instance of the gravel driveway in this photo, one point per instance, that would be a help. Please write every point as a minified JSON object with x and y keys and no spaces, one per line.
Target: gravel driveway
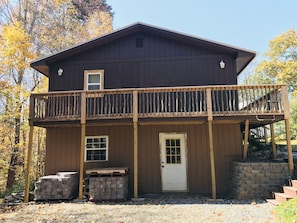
{"x":163,"y":208}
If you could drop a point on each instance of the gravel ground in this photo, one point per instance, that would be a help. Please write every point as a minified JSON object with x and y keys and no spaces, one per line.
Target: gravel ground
{"x":161,"y":208}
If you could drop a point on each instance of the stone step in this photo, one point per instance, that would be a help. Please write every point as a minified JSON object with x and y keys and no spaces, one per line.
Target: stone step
{"x":281,"y":197}
{"x":291,"y":191}
{"x":273,"y":201}
{"x":294,"y":183}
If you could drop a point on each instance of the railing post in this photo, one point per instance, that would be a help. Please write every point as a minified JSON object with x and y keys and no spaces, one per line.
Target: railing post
{"x":135,"y":136}
{"x":209,"y":104}
{"x":82,"y":144}
{"x":31,"y":108}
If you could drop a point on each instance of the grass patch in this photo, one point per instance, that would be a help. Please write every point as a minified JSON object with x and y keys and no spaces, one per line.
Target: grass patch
{"x":293,"y":142}
{"x":287,"y":211}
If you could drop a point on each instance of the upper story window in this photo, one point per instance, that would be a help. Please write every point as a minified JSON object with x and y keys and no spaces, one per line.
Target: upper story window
{"x":94,"y":80}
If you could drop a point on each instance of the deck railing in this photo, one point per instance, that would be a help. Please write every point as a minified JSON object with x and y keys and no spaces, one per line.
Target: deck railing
{"x":159,"y":102}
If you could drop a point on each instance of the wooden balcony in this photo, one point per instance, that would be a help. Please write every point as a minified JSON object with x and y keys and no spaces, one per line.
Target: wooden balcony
{"x":258,"y":102}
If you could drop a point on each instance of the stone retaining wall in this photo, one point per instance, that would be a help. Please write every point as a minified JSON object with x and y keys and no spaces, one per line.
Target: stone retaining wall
{"x":257,"y":179}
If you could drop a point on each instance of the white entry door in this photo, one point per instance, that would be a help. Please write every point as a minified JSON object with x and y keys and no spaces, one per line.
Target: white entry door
{"x":173,"y":161}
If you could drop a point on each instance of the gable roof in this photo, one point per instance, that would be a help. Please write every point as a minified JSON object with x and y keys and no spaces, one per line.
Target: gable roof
{"x":243,"y":56}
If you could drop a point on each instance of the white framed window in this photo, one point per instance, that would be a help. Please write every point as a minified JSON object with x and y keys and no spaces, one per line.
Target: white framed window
{"x":96,"y":148}
{"x":94,"y":79}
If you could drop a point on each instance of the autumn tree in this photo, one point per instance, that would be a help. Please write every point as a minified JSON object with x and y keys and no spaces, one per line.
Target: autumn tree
{"x":15,"y":51}
{"x":280,"y":66}
{"x":31,"y":28}
{"x":280,"y":62}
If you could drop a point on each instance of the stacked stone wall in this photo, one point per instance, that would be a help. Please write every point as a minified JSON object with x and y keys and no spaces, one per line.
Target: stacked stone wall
{"x":108,"y":188}
{"x":251,"y":180}
{"x":62,"y":186}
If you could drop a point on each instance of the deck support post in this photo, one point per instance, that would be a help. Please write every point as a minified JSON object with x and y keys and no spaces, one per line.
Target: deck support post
{"x":285,"y":99}
{"x":265,"y":134}
{"x":82,"y":144}
{"x":211,"y":148}
{"x":29,"y":159}
{"x":135,"y":145}
{"x":212,"y":161}
{"x":289,"y":147}
{"x":273,"y":140}
{"x":246,"y":139}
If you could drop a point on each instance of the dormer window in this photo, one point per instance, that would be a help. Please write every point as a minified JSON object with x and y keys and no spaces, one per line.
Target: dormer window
{"x":94,"y":80}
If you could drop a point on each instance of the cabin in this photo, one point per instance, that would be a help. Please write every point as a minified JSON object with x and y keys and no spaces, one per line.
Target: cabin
{"x":164,"y":104}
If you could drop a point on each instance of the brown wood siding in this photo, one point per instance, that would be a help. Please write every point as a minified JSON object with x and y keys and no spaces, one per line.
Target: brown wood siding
{"x":227,"y":147}
{"x":161,"y":62}
{"x":63,"y":149}
{"x":63,"y":153}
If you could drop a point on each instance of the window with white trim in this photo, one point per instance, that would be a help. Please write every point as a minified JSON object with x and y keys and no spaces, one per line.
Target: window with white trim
{"x":96,"y":148}
{"x":94,"y":79}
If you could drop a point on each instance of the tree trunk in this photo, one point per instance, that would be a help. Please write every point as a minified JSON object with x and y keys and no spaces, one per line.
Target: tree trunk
{"x":14,"y":160}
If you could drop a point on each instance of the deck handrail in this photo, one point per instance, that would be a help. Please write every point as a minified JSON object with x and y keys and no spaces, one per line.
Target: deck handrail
{"x":188,"y":101}
{"x":152,"y":89}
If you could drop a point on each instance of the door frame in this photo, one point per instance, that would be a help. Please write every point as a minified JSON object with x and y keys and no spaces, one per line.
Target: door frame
{"x":184,"y":134}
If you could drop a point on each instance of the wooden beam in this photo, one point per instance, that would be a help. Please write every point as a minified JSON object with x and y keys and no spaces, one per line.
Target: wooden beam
{"x":135,"y":144}
{"x":82,"y":160}
{"x":83,"y":108}
{"x":273,"y":140}
{"x":212,"y":161}
{"x":135,"y":130}
{"x":246,"y":139}
{"x":289,"y":147}
{"x":29,"y":159}
{"x":286,"y":106}
{"x":82,"y":144}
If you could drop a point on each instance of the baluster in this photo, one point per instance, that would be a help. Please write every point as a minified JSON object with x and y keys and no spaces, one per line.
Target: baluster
{"x":149,"y":102}
{"x":109,"y":104}
{"x":154,"y":102}
{"x":176,"y":101}
{"x":196,"y":101}
{"x":184,"y":101}
{"x":193,"y":99}
{"x":146,"y":99}
{"x":214,"y":103}
{"x":223,"y":99}
{"x":234,"y":99}
{"x":162,"y":101}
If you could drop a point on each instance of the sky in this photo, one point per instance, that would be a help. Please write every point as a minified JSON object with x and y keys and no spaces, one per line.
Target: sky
{"x":248,"y":24}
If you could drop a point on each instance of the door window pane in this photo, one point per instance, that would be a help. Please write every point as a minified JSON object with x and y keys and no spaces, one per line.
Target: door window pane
{"x":173,"y":151}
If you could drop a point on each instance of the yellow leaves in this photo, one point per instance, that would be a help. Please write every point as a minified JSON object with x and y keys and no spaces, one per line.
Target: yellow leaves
{"x":283,"y":47}
{"x":281,"y":60}
{"x":98,"y":23}
{"x":15,"y":47}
